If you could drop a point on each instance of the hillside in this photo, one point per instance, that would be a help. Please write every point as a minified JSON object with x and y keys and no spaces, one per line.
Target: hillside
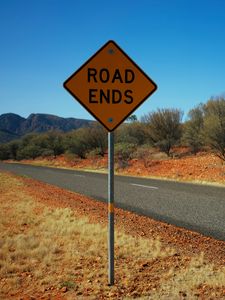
{"x":7,"y":136}
{"x":13,"y":126}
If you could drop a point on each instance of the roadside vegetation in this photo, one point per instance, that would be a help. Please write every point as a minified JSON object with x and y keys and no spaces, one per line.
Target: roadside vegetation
{"x":48,"y":251}
{"x":204,"y":129}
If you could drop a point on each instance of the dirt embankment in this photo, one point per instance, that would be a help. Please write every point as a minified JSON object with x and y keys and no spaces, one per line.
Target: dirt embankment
{"x":201,"y":168}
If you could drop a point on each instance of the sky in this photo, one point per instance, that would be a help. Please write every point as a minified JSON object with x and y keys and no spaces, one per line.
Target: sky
{"x":180,"y":44}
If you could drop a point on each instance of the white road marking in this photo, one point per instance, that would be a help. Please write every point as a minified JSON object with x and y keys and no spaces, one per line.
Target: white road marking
{"x":76,"y":175}
{"x":145,"y":186}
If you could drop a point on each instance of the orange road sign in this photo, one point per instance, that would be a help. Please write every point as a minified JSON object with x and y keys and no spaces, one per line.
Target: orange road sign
{"x":110,"y":85}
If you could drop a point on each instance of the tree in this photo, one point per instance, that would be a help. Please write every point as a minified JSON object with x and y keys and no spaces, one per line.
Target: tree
{"x":132,"y":118}
{"x":54,"y":142}
{"x":83,"y":140}
{"x":78,"y":143}
{"x":214,"y":125}
{"x":4,"y":152}
{"x":98,"y":138}
{"x":164,"y":128}
{"x":29,"y":151}
{"x":134,"y":133}
{"x":193,"y":129}
{"x":13,"y":148}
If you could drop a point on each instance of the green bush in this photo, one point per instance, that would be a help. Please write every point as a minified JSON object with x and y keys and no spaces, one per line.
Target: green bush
{"x":77,"y":143}
{"x":4,"y":152}
{"x":47,"y":152}
{"x":54,"y":142}
{"x":132,"y":133}
{"x":164,"y":128}
{"x":214,"y":125}
{"x":193,"y":129}
{"x":29,"y":152}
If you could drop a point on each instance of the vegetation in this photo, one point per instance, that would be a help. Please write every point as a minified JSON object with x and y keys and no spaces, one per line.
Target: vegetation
{"x":123,"y":153}
{"x":214,"y":125}
{"x":206,"y":127}
{"x":84,"y":140}
{"x":133,"y":133}
{"x":162,"y":129}
{"x":193,"y":129}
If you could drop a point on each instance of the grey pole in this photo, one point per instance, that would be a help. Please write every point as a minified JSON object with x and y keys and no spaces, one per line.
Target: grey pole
{"x":111,"y":207}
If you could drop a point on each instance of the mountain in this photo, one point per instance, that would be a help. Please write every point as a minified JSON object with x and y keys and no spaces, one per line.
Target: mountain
{"x":11,"y":123}
{"x":13,"y":126}
{"x":6,"y":136}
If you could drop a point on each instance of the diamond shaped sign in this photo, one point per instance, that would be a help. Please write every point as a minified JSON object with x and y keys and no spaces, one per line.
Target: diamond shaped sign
{"x":110,"y":85}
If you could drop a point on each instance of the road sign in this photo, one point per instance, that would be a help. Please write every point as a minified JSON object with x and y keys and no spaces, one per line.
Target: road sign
{"x":110,"y":85}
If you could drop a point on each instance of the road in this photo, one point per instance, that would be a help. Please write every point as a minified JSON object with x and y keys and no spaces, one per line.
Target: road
{"x":199,"y":208}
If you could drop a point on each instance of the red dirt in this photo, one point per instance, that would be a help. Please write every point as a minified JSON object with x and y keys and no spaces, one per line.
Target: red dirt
{"x":203,"y":167}
{"x":183,"y":240}
{"x":186,"y":243}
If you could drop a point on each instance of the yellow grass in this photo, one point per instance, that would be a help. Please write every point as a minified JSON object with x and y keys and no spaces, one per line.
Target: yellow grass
{"x":43,"y":249}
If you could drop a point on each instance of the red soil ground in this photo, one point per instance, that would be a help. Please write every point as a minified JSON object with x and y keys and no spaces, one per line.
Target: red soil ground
{"x":186,"y":243}
{"x":202,"y":168}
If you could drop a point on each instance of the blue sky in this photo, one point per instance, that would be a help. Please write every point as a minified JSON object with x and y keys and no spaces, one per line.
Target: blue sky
{"x":180,"y":44}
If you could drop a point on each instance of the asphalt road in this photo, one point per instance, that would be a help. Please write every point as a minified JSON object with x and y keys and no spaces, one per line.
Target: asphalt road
{"x":199,"y":208}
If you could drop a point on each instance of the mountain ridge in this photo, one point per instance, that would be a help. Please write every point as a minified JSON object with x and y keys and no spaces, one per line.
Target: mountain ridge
{"x":13,"y":126}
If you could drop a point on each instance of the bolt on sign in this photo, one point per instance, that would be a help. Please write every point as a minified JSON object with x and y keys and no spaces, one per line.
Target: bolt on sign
{"x":110,"y":85}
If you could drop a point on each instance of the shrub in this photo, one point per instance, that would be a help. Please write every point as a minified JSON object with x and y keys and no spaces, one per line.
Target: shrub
{"x":214,"y":126}
{"x":97,"y":137}
{"x":54,"y":142}
{"x":94,"y":153}
{"x":71,"y":158}
{"x":134,"y":133}
{"x":47,"y":152}
{"x":164,"y":127}
{"x":29,"y":151}
{"x":143,"y":154}
{"x":4,"y":152}
{"x":123,"y":153}
{"x":193,"y":129}
{"x":13,"y":147}
{"x":77,"y":143}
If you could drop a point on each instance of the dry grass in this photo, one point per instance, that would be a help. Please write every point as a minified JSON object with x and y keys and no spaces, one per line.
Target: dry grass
{"x":43,"y":249}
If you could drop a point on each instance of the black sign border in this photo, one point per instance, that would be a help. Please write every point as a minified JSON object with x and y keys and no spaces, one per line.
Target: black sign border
{"x":143,"y":73}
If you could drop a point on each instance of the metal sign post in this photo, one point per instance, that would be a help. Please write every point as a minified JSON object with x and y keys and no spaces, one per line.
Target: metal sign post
{"x":111,"y":207}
